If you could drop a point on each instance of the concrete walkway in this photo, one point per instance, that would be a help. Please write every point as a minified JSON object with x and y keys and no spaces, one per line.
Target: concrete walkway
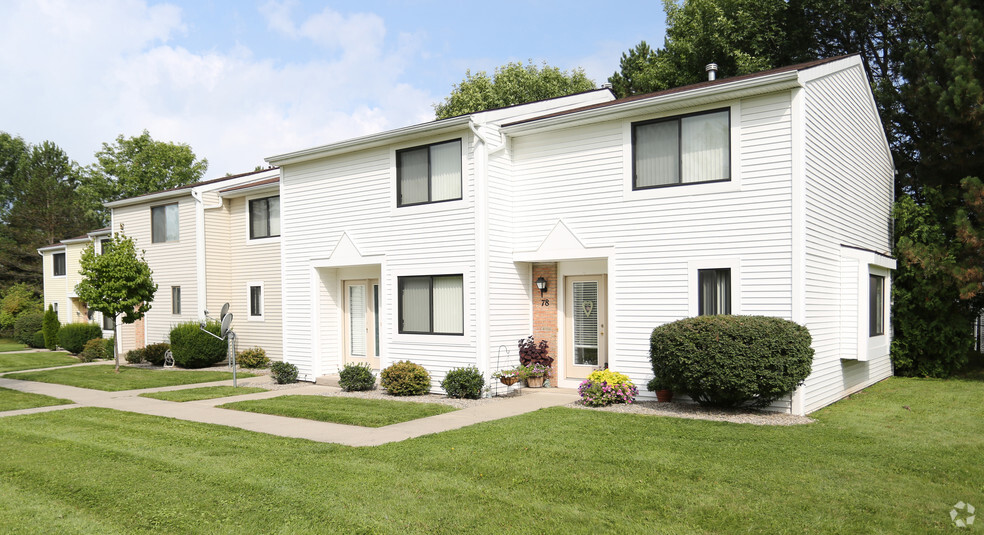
{"x":205,"y":411}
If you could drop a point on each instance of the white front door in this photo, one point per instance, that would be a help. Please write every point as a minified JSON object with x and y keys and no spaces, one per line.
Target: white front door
{"x":585,"y":318}
{"x":361,"y":322}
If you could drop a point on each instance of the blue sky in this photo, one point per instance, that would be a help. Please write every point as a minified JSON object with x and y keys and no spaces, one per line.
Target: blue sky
{"x":242,"y":80}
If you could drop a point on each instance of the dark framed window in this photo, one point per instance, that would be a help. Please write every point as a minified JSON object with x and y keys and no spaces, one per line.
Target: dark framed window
{"x":58,"y":262}
{"x":164,"y":223}
{"x":686,"y":149}
{"x":264,"y":217}
{"x":175,"y":299}
{"x":108,"y":323}
{"x":876,"y":305}
{"x":713,"y":291}
{"x":429,"y":173}
{"x":256,"y":301}
{"x":104,"y":245}
{"x":432,"y":304}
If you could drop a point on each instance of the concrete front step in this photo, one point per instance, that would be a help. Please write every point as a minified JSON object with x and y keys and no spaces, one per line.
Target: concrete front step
{"x":327,"y":380}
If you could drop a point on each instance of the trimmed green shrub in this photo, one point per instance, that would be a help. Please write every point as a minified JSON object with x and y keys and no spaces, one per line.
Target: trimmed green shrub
{"x":110,"y":345}
{"x":464,"y":383}
{"x":73,"y":336}
{"x":38,"y":341}
{"x":154,"y":353}
{"x":405,"y":379}
{"x":193,"y":348}
{"x":93,"y":350}
{"x":732,"y":361}
{"x":135,"y":356}
{"x":356,"y":377}
{"x":254,"y":357}
{"x":49,"y":328}
{"x":26,"y":324}
{"x":283,"y":373}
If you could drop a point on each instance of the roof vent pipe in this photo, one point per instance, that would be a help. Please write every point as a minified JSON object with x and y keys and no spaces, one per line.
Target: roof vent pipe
{"x":712,"y":69}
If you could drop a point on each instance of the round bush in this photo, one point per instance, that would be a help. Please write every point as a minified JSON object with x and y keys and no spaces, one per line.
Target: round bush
{"x":38,"y":341}
{"x":26,"y":324}
{"x":193,"y":348}
{"x":356,"y":378}
{"x":254,"y":357}
{"x":93,"y":350}
{"x":73,"y":336}
{"x":464,"y":383}
{"x":135,"y":356}
{"x":154,"y":353}
{"x":283,"y":373}
{"x":732,"y":361}
{"x":405,"y":379}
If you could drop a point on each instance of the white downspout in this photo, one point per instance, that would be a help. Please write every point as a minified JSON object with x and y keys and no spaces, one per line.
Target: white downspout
{"x":482,"y":336}
{"x":201,"y":290}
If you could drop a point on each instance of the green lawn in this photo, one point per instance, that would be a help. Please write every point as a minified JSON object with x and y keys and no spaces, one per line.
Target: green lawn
{"x":342,"y":410}
{"x":868,"y":465}
{"x":13,"y":400}
{"x":102,"y":377}
{"x":9,"y":344}
{"x":29,"y":361}
{"x":205,"y":392}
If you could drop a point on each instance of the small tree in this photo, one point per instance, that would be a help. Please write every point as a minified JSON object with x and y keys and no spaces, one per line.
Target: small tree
{"x":49,"y":326}
{"x":116,"y":283}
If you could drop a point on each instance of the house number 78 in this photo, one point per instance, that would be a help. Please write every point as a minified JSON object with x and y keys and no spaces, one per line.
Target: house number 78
{"x":544,"y":302}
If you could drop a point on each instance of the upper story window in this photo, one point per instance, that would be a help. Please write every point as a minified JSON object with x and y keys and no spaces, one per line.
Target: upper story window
{"x":264,"y":217}
{"x":164,"y":223}
{"x":431,"y":173}
{"x":104,"y":245}
{"x":714,"y":291}
{"x":687,"y":149}
{"x":58,"y":261}
{"x":876,"y":305}
{"x":431,"y":305}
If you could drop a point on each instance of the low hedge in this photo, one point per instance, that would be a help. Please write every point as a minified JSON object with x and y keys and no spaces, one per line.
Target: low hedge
{"x":283,"y":373}
{"x":38,"y":341}
{"x":26,"y":324}
{"x":193,"y":348}
{"x":254,"y":357}
{"x":154,"y":353}
{"x":731,"y":361}
{"x":405,"y":378}
{"x":356,"y":378}
{"x":135,"y":356}
{"x":94,"y":349}
{"x":73,"y":336}
{"x":466,"y":383}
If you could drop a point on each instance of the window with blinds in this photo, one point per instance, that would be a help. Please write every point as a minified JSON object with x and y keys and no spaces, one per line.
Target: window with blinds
{"x":714,"y":291}
{"x":164,"y":223}
{"x":585,"y":319}
{"x":357,"y":320}
{"x":682,"y":150}
{"x":876,"y":305}
{"x":429,"y":174}
{"x":431,"y":304}
{"x":264,"y":217}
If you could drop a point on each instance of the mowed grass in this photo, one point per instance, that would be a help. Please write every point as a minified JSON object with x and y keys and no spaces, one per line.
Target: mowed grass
{"x":205,"y":392}
{"x":13,"y":400}
{"x":342,"y":410}
{"x":868,"y":465}
{"x":29,"y":361}
{"x":9,"y":344}
{"x":102,"y":377}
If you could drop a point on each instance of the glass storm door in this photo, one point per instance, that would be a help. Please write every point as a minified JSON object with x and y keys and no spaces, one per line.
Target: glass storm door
{"x":586,"y":315}
{"x":361,"y":336}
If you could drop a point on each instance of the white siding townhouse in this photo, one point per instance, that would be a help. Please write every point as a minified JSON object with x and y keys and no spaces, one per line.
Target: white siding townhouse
{"x":763,"y":194}
{"x":209,"y":243}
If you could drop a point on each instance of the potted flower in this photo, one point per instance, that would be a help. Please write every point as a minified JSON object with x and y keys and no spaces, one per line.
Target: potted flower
{"x":508,"y":377}
{"x":535,"y":374}
{"x":662,"y":387}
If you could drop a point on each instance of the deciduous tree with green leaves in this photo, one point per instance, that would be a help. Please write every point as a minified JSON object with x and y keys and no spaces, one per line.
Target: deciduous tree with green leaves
{"x":511,"y":84}
{"x":116,"y":283}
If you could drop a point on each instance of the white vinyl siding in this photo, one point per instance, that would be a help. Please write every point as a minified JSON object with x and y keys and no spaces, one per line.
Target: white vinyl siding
{"x":849,"y":194}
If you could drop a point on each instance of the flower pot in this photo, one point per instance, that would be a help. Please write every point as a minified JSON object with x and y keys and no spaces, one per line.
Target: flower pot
{"x":534,"y":382}
{"x":508,"y":381}
{"x":664,"y":396}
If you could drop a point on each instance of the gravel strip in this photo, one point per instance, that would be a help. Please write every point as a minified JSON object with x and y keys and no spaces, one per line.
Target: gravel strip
{"x":696,"y":412}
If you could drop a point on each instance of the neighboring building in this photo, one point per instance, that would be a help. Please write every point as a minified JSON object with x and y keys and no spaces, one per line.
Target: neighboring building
{"x":60,"y":264}
{"x":763,"y":194}
{"x":209,"y":243}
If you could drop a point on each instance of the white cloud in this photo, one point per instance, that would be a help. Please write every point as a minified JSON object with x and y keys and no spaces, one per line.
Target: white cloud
{"x":82,"y":73}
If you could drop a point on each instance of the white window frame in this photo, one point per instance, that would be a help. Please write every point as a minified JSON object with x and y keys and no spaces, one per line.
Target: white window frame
{"x":689,"y":189}
{"x":866,"y":346}
{"x":64,"y":261}
{"x":249,"y":301}
{"x":693,"y":286}
{"x":177,"y":206}
{"x":266,"y":239}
